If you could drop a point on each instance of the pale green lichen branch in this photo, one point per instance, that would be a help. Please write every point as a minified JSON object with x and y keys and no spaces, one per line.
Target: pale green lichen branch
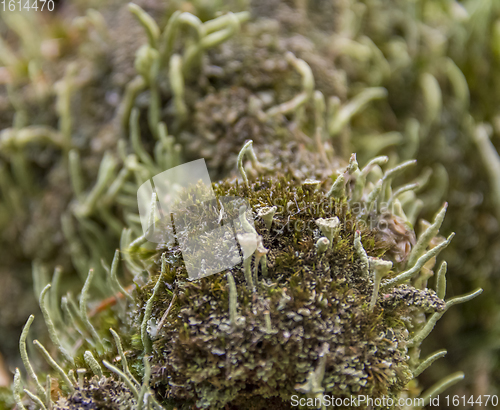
{"x":15,"y":139}
{"x":433,"y":98}
{"x":319,"y":110}
{"x":54,"y":296}
{"x":18,"y":388}
{"x":135,"y":139}
{"x":382,"y":160}
{"x":227,"y":27}
{"x":44,"y":307}
{"x":428,"y":362}
{"x":441,"y":280}
{"x":247,"y":149}
{"x":112,"y":192}
{"x":307,"y":88}
{"x":441,"y":386}
{"x":24,"y":356}
{"x":360,"y":181}
{"x":363,"y":257}
{"x":146,"y":341}
{"x":177,"y":85}
{"x":429,"y":325}
{"x":36,"y":399}
{"x":491,"y":161}
{"x":99,"y":23}
{"x":83,"y":311}
{"x":232,"y":23}
{"x":75,"y":173}
{"x":147,"y":22}
{"x":343,"y":115}
{"x":168,"y":37}
{"x":410,"y":273}
{"x":132,"y":90}
{"x":143,"y":397}
{"x":391,"y":173}
{"x":400,"y":191}
{"x":92,"y":363}
{"x":426,"y":237}
{"x":371,"y":200}
{"x":72,"y":317}
{"x":71,"y":377}
{"x":64,"y":90}
{"x":104,"y":176}
{"x":240,"y":162}
{"x":119,"y":347}
{"x":380,"y":268}
{"x":458,"y":82}
{"x":129,"y":248}
{"x":389,"y":176}
{"x":115,"y":283}
{"x":337,"y":191}
{"x":220,"y":22}
{"x":48,"y":396}
{"x":54,"y":365}
{"x":248,"y":243}
{"x":320,"y":123}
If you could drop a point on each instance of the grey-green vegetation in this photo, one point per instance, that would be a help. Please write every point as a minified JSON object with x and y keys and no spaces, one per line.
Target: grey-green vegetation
{"x":100,"y":96}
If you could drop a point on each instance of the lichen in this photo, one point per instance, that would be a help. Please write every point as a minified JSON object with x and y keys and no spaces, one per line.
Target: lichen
{"x":213,"y":344}
{"x":122,"y":92}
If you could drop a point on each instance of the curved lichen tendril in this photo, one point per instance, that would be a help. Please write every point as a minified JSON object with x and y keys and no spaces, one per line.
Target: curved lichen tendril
{"x":247,"y":148}
{"x":441,"y":386}
{"x":428,"y":362}
{"x":408,"y":274}
{"x":44,"y":307}
{"x":54,"y":364}
{"x":83,"y":310}
{"x":146,"y":341}
{"x":119,"y":346}
{"x":24,"y":356}
{"x":426,"y":330}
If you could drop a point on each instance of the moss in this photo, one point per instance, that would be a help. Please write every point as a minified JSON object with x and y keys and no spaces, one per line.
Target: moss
{"x":303,"y":301}
{"x":229,"y":98}
{"x":98,"y":394}
{"x":201,"y":358}
{"x":307,"y":309}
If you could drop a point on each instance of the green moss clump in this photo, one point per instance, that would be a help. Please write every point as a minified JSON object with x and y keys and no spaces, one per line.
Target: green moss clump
{"x":99,"y":394}
{"x":295,"y":318}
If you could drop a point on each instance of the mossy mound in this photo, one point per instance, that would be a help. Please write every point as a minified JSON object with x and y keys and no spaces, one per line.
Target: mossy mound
{"x":249,"y":87}
{"x":306,"y":305}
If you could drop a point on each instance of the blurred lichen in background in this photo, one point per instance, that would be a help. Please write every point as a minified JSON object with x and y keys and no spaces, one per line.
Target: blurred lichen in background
{"x":97,"y":97}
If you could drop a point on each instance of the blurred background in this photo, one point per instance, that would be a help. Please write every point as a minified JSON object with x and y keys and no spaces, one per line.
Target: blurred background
{"x":68,"y":75}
